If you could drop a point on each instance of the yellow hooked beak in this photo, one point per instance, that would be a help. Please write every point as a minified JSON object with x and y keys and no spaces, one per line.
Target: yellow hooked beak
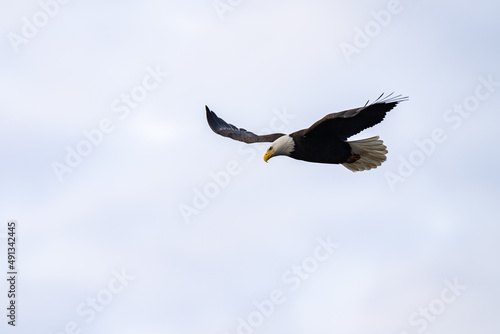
{"x":268,"y":155}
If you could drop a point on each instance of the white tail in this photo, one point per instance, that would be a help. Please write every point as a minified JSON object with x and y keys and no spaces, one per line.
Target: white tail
{"x":372,"y":153}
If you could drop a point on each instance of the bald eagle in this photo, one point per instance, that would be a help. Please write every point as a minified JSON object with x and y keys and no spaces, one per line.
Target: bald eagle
{"x":326,"y":140}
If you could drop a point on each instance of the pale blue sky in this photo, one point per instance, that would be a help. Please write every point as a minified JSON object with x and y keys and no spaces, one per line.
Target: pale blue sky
{"x":140,"y":238}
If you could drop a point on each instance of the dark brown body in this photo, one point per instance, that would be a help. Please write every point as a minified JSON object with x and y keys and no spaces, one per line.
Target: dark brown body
{"x":317,"y":149}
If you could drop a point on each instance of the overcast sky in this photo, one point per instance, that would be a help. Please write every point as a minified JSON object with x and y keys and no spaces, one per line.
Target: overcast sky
{"x":134,"y":217}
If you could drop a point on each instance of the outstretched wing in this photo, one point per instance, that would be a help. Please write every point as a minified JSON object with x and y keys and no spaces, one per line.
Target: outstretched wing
{"x":347,"y":123}
{"x":219,"y":126}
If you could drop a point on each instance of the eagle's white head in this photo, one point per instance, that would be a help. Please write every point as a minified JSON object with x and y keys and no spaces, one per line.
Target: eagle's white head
{"x":284,"y":145}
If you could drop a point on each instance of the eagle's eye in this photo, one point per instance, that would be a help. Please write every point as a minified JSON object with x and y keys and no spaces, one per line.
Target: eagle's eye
{"x":270,"y":148}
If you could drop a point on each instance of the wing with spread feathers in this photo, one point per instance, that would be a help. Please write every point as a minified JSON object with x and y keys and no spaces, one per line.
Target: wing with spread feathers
{"x":347,"y":123}
{"x":220,"y":127}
